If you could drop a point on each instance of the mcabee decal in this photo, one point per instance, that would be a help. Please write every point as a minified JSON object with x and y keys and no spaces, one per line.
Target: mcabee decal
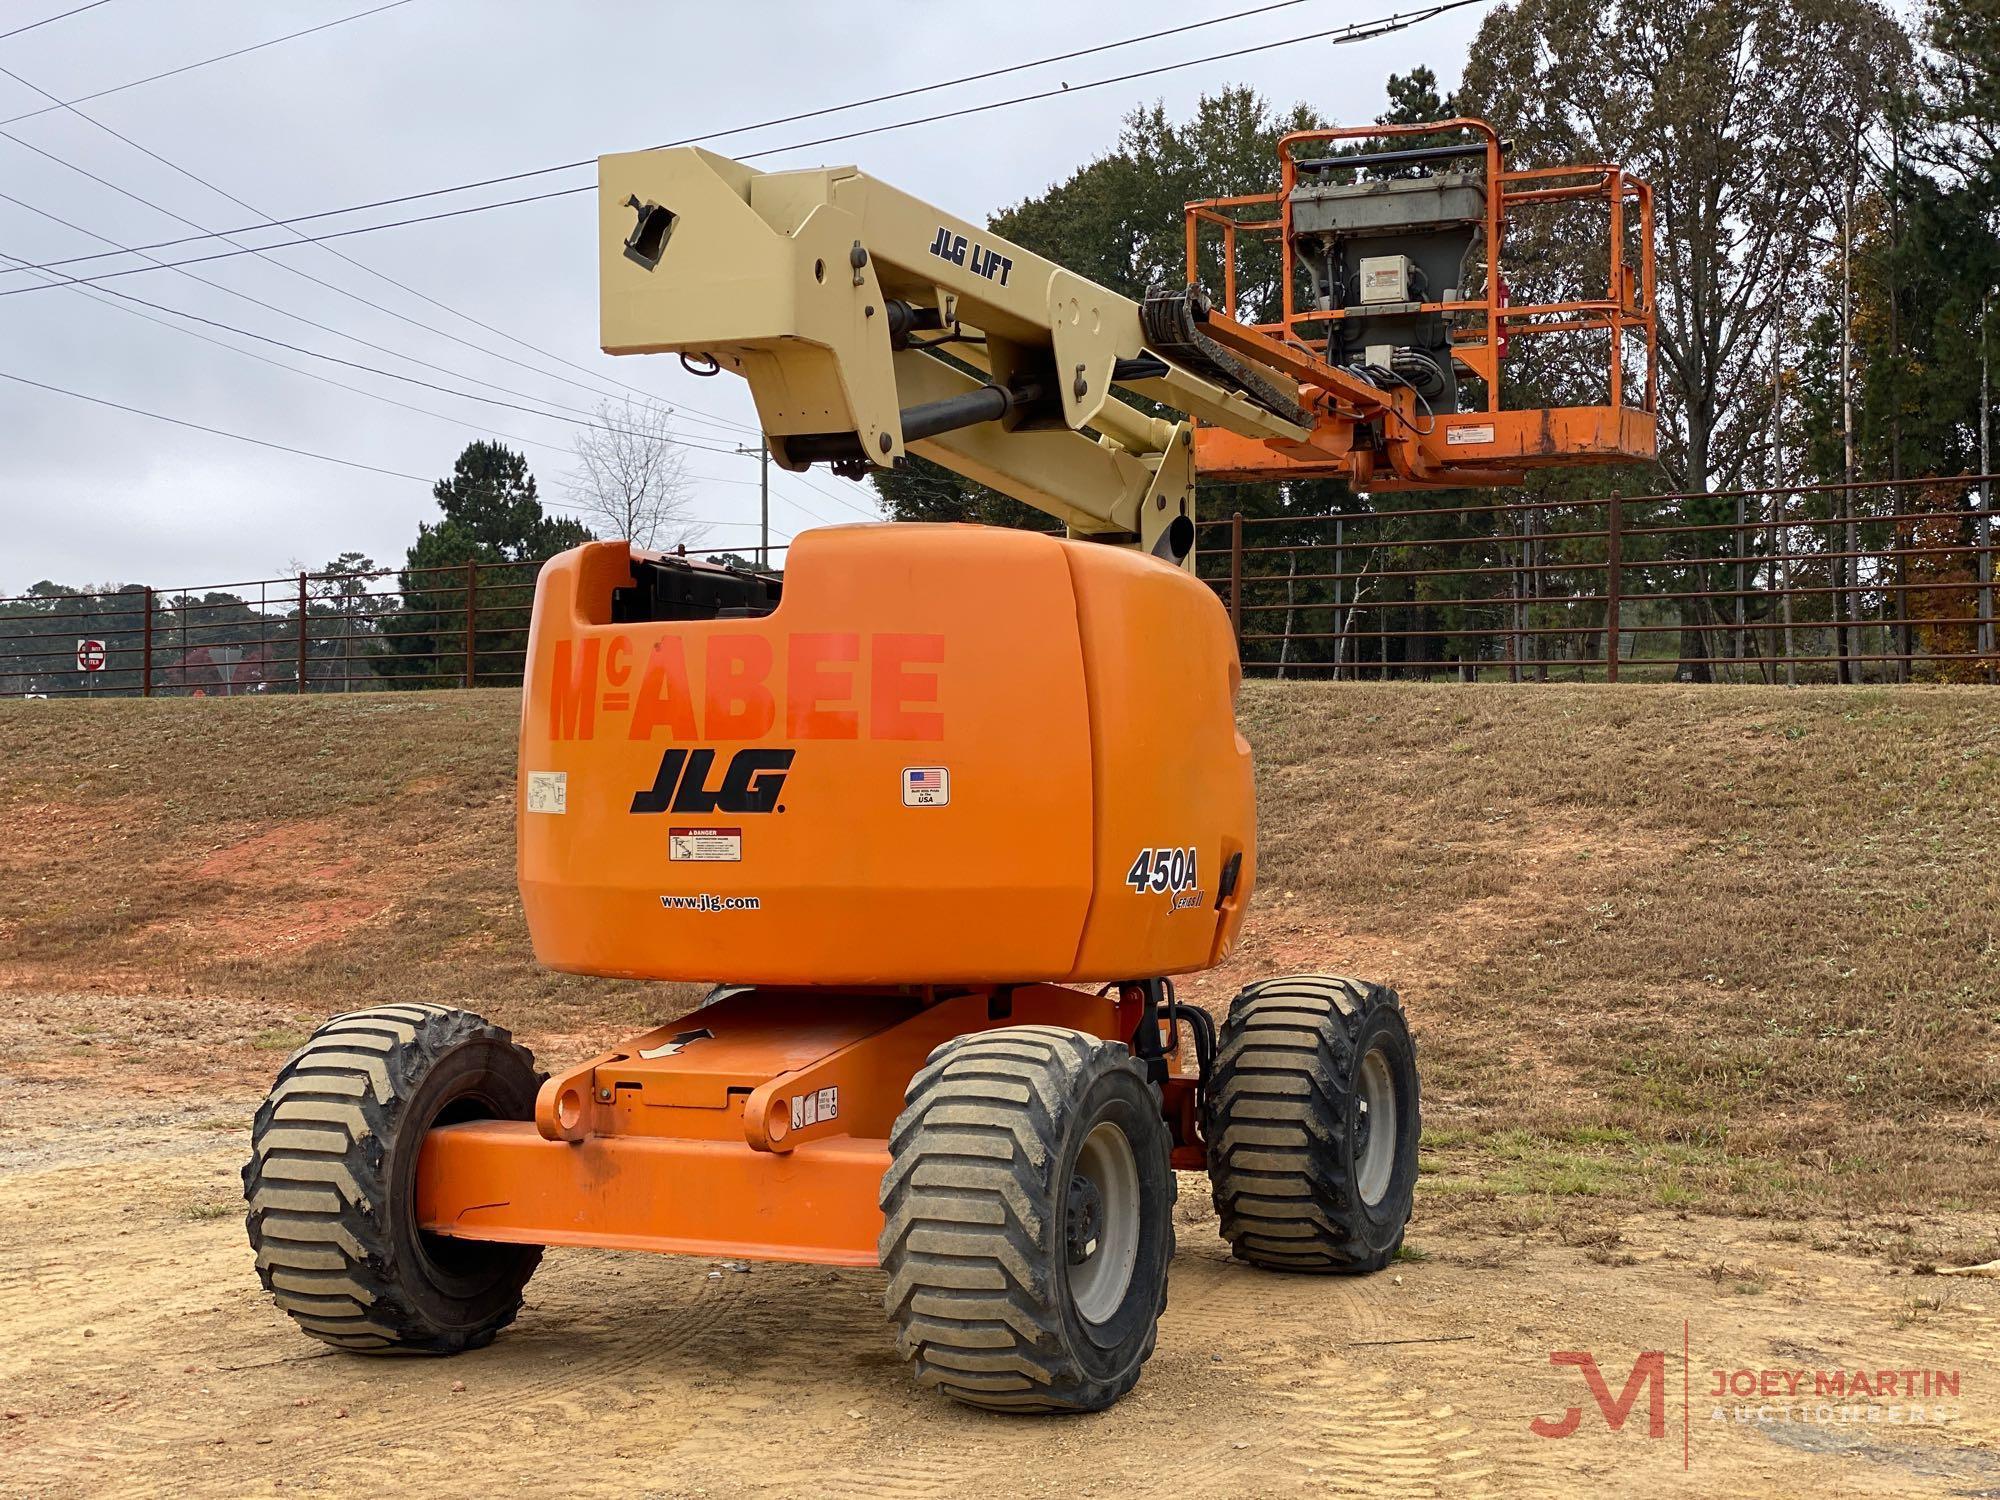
{"x":840,"y":685}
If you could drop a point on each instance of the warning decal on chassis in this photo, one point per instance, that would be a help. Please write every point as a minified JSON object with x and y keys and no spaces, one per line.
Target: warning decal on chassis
{"x":705,"y":844}
{"x":815,"y":1108}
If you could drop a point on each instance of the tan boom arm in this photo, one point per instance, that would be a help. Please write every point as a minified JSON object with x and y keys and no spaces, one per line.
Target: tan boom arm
{"x":823,"y":288}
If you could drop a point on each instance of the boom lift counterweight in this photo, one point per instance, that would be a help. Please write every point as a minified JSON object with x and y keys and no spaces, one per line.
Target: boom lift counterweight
{"x":946,"y":808}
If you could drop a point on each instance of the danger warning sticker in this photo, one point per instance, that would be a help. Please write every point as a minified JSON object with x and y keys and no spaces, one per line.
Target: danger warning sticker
{"x":1483,"y":433}
{"x":705,"y":844}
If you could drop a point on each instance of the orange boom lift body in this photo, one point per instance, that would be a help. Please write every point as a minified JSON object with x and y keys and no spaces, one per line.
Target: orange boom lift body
{"x":941,"y":811}
{"x":785,"y":839}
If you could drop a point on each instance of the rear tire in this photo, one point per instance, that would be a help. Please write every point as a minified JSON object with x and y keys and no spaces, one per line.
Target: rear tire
{"x":331,"y":1181}
{"x":1028,"y":1225}
{"x":1312,"y":1124}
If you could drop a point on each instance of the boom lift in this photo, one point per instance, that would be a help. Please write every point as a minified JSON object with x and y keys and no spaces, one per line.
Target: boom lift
{"x":946,"y":807}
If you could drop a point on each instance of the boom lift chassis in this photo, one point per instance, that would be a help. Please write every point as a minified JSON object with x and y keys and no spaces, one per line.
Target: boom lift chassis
{"x":961,"y":1058}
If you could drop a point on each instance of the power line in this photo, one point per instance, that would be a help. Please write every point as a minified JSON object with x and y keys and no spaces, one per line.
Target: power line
{"x":240,"y":437}
{"x":429,"y":385}
{"x":307,"y":276}
{"x":314,"y":239}
{"x":222,"y":192}
{"x":837,"y":499}
{"x":792,"y":119}
{"x":137,"y":411}
{"x":583,"y":419}
{"x":59,"y":16}
{"x":262,"y":254}
{"x":1358,"y":31}
{"x":290,"y":36}
{"x":1355,"y":32}
{"x":125,"y":297}
{"x":298,"y":318}
{"x":71,"y":107}
{"x":104,"y":295}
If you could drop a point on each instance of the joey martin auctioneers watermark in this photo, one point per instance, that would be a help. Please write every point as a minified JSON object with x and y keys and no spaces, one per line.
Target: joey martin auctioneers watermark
{"x":1854,"y":1393}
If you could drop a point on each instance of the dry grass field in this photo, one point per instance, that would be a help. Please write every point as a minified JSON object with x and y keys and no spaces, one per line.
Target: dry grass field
{"x":1735,"y":950}
{"x":1706,"y":986}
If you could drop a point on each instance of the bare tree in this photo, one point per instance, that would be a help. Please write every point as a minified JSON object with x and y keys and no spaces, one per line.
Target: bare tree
{"x":631,"y":476}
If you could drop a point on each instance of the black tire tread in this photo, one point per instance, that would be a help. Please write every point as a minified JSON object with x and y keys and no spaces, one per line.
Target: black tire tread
{"x":1285,"y":1061}
{"x":967,"y":1203}
{"x":315,"y":1179}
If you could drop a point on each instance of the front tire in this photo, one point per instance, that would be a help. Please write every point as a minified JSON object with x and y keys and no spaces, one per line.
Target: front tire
{"x":1313,"y":1123}
{"x":1028,"y":1214}
{"x":331,"y":1181}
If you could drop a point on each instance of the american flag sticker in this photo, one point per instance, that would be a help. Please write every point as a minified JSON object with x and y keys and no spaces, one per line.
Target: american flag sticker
{"x":926,"y":786}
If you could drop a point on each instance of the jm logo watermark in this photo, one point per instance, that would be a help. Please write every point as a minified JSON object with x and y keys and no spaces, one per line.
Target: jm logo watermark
{"x":1648,"y":1378}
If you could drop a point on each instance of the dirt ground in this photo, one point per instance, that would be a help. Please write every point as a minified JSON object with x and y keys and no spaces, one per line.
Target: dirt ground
{"x":139,"y":1357}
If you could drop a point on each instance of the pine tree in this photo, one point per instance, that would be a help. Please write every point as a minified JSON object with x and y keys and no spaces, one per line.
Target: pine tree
{"x":491,"y":514}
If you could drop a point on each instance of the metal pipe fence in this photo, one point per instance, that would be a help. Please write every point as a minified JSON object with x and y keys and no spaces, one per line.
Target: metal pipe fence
{"x":1885,"y":581}
{"x":465,"y":625}
{"x":458,"y":626}
{"x":1880,"y":581}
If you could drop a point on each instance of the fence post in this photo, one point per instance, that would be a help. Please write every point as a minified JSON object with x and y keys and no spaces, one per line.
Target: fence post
{"x":1538,"y":558}
{"x":146,"y":649}
{"x":304,"y":626}
{"x":1236,"y":580}
{"x":1342,"y":616}
{"x":471,"y":622}
{"x":1517,"y":586}
{"x":1982,"y":639}
{"x":1614,"y":582}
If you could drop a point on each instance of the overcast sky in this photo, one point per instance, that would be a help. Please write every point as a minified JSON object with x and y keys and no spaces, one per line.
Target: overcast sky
{"x":434,"y":92}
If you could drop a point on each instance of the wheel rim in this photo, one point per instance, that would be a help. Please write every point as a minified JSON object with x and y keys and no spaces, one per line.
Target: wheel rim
{"x":1375,"y":1128}
{"x":1101,"y":1227}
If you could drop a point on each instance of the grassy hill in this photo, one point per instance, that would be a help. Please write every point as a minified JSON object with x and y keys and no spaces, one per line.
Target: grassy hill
{"x":1714,"y":949}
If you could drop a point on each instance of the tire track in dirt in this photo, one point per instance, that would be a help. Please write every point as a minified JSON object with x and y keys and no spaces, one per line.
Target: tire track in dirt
{"x":1350,"y":1432}
{"x":1348,"y":1428}
{"x":1213,"y":1296}
{"x":804,"y":1329}
{"x":576,"y":1369}
{"x":1335,"y":1425}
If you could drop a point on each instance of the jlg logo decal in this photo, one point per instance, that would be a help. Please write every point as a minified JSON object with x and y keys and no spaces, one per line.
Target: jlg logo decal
{"x":750,"y":785}
{"x":839,"y":685}
{"x":949,"y":246}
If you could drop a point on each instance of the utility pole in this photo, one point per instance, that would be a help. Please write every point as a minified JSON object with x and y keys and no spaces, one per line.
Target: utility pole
{"x":763,"y":452}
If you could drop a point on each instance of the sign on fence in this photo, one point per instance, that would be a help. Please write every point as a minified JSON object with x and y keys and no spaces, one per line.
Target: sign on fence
{"x":90,"y":656}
